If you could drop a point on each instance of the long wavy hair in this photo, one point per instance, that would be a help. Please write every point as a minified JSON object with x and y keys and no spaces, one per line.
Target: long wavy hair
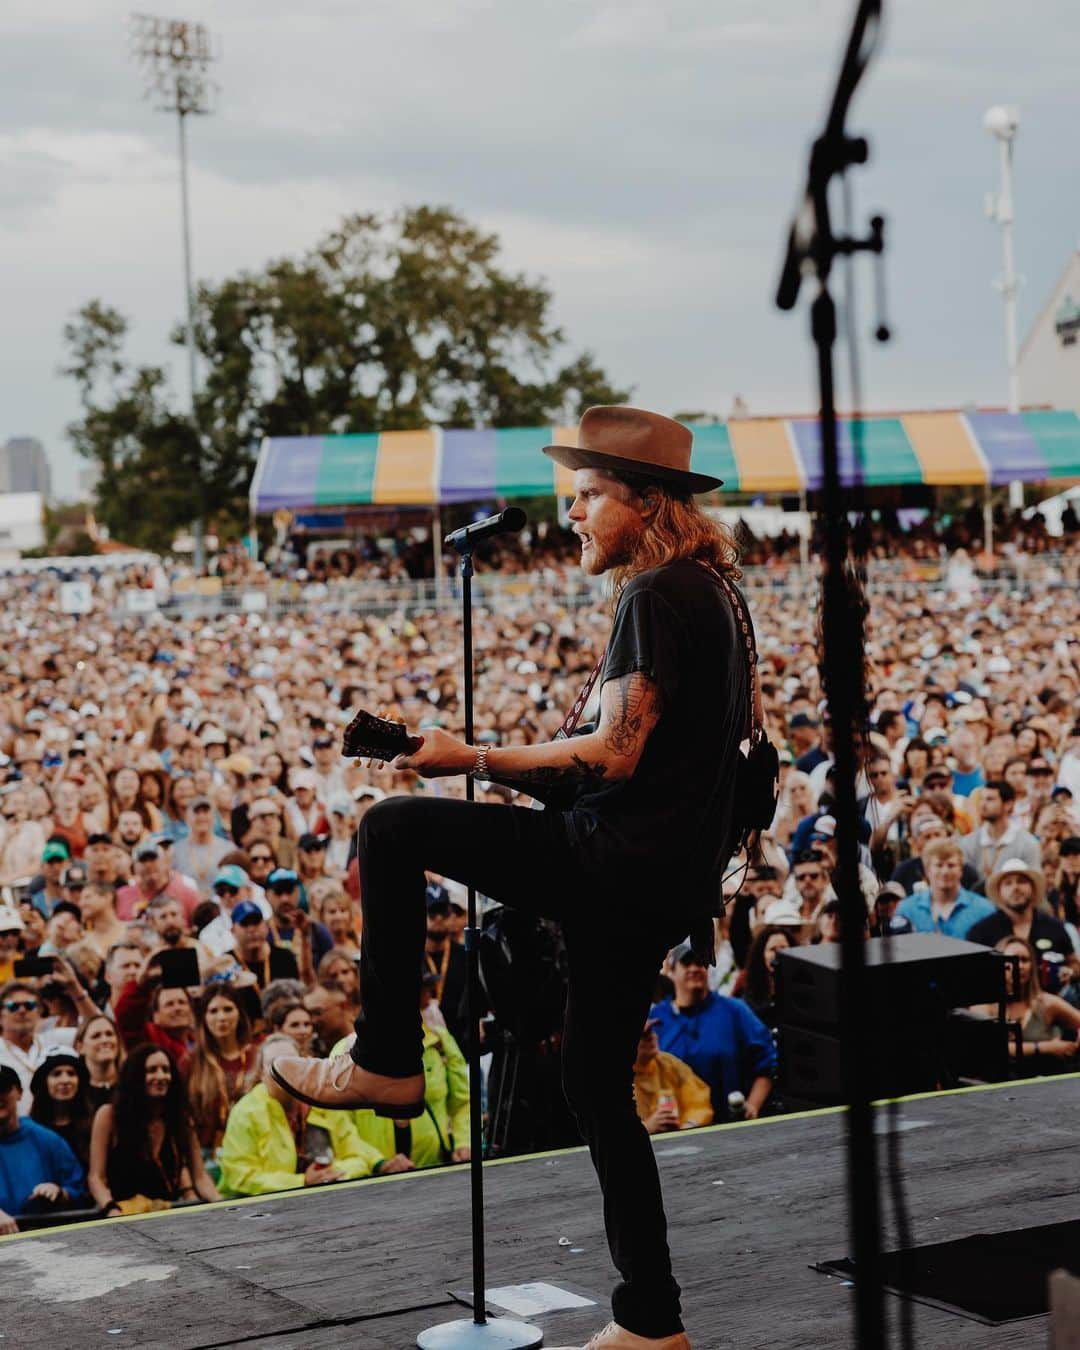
{"x":44,"y":1109}
{"x":207,"y":1086}
{"x":678,"y":529}
{"x":132,"y":1116}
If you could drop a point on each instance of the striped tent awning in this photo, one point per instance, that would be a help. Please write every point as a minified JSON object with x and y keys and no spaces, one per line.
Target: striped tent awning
{"x":757,"y":455}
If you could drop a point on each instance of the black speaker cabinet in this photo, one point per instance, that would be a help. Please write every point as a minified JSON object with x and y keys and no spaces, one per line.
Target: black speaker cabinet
{"x":913,"y":977}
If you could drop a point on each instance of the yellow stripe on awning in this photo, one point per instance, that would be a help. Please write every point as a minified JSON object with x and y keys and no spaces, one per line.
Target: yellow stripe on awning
{"x":405,"y":471}
{"x":946,"y":450}
{"x":764,"y":454}
{"x":564,"y":477}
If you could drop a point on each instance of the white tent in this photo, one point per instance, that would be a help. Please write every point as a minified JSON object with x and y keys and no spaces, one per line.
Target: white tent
{"x":1052,"y":507}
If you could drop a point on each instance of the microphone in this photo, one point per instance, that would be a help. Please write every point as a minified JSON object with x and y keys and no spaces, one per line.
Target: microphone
{"x":506,"y":522}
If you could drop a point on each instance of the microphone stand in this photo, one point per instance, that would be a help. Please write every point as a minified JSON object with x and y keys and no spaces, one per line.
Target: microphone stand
{"x":812,"y":249}
{"x":500,"y":1333}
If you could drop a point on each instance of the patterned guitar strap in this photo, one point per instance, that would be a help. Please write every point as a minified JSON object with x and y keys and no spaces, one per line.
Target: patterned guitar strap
{"x":573,"y":717}
{"x":746,"y":627}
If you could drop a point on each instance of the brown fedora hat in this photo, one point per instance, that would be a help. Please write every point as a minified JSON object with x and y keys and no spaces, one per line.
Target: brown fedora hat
{"x":612,"y":437}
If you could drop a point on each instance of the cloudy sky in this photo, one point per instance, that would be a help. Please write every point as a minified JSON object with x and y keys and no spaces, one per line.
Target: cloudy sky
{"x":643,"y":156}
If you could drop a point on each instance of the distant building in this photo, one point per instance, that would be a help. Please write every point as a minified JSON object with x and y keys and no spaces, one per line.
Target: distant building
{"x":1049,"y":364}
{"x":24,"y":467}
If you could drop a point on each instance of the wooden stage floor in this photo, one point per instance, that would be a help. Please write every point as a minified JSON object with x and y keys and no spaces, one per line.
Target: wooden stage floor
{"x":369,"y":1264}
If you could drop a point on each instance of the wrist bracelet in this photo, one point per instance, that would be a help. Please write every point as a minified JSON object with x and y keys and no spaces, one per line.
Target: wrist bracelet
{"x":480,"y":765}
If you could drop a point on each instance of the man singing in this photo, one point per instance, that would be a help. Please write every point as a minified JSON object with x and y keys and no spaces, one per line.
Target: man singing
{"x":626,"y":856}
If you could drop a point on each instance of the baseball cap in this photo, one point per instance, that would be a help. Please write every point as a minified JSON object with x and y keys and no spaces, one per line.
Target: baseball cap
{"x":341,"y":804}
{"x":891,"y":890}
{"x":230,"y":875}
{"x":899,"y":924}
{"x":55,"y":851}
{"x":9,"y":1079}
{"x":310,"y":843}
{"x":684,"y":953}
{"x":263,"y":807}
{"x":365,"y":790}
{"x":201,"y":804}
{"x":824,"y":827}
{"x":322,"y":742}
{"x":99,"y":838}
{"x":282,"y":879}
{"x":803,"y":720}
{"x":303,"y":778}
{"x":75,"y":875}
{"x":783,"y":914}
{"x":10,"y":922}
{"x":939,"y":771}
{"x":246,"y":911}
{"x":146,"y":851}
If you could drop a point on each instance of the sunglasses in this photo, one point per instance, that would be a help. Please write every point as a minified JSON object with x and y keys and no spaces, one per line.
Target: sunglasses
{"x":260,"y":858}
{"x":20,"y":1004}
{"x":226,"y":890}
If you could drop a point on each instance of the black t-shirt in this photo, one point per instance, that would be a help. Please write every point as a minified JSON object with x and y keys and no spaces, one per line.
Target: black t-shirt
{"x":1047,"y":933}
{"x":675,"y":625}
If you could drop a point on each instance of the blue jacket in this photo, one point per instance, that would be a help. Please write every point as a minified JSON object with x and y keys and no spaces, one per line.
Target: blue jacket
{"x":723,"y":1042}
{"x":28,"y":1157}
{"x":966,"y":912}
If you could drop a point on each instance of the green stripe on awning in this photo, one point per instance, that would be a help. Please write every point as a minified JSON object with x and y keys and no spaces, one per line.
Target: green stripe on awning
{"x":520,"y":469}
{"x":890,"y":456}
{"x":1057,"y":435}
{"x":347,"y":471}
{"x":713,"y":454}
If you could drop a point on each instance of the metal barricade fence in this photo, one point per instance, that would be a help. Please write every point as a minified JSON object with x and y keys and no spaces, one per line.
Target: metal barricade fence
{"x":516,"y":592}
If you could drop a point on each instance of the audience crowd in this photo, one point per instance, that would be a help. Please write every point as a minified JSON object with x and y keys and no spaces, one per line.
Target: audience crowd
{"x":179,"y":897}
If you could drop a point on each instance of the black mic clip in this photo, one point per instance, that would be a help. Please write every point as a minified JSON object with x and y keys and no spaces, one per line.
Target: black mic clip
{"x":466,"y":539}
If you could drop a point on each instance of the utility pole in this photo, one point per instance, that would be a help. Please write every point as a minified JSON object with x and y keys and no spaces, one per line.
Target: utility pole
{"x":1003,"y":122}
{"x":175,"y":57}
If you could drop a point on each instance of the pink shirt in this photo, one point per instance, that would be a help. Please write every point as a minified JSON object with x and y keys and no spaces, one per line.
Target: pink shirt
{"x":131,"y":901}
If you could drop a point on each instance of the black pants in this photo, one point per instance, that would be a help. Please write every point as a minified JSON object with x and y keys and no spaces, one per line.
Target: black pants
{"x":617,"y":923}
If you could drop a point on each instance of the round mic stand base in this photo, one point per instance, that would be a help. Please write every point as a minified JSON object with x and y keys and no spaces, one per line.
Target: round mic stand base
{"x":501,"y":1333}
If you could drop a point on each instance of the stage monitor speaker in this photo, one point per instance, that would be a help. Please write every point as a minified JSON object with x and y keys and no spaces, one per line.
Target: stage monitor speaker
{"x":910,"y":977}
{"x":911,"y":1058}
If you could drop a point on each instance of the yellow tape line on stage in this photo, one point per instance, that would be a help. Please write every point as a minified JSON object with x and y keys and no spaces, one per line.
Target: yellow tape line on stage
{"x":314,"y":1192}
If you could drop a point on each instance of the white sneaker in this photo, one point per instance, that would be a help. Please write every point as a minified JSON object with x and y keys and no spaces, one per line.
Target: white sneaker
{"x":615,"y":1337}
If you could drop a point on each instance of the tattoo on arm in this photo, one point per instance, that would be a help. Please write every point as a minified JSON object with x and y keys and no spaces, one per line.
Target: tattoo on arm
{"x":573,"y":779}
{"x":629,"y":713}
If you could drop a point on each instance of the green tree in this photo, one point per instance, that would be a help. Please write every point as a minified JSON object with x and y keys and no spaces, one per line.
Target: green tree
{"x":387,"y":323}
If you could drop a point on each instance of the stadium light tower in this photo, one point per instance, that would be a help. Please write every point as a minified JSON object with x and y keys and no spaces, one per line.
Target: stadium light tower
{"x":1002,"y":122}
{"x":175,"y":57}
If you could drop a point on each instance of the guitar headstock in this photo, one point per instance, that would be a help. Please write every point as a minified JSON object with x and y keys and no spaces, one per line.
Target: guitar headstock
{"x":371,"y":737}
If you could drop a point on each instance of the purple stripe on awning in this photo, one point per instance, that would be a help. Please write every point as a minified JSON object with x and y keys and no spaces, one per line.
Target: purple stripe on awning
{"x":1011,"y":451}
{"x":291,"y":473}
{"x":468,"y":466}
{"x":806,"y":434}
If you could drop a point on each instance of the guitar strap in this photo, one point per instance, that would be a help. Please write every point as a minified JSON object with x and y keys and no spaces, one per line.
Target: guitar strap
{"x":742,"y":618}
{"x":573,"y":717}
